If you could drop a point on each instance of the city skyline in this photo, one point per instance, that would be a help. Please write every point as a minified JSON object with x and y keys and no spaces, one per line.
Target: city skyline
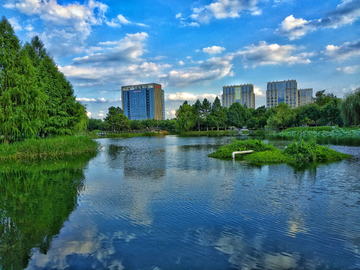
{"x":193,"y":48}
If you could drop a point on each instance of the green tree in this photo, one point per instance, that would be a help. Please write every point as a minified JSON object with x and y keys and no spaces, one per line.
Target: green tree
{"x":22,"y":101}
{"x":282,"y":117}
{"x":115,"y":119}
{"x":96,"y":124}
{"x":322,"y":99}
{"x":350,"y":108}
{"x":238,"y":115}
{"x":218,"y":113}
{"x":205,"y":111}
{"x":311,"y":112}
{"x":330,"y":113}
{"x":197,"y":107}
{"x":186,"y":117}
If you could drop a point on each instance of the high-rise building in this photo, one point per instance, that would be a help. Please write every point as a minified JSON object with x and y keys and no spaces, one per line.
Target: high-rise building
{"x":305,"y":96}
{"x":282,"y":92}
{"x":143,"y":101}
{"x":243,"y":94}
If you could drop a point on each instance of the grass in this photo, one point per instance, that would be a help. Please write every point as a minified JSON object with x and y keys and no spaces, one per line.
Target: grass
{"x":210,"y":133}
{"x":47,"y":148}
{"x":318,"y":132}
{"x":296,"y":153}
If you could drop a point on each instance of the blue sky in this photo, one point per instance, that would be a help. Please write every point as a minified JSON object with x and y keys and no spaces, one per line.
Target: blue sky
{"x":194,"y":48}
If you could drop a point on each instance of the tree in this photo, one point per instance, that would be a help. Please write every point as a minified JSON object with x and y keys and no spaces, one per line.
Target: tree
{"x":350,"y":108}
{"x":218,"y":112}
{"x":322,"y":99}
{"x":186,"y":117}
{"x":205,"y":111}
{"x":311,"y":112}
{"x":22,"y":101}
{"x":95,"y":124}
{"x":282,"y":117}
{"x":197,"y":107}
{"x":115,"y":119}
{"x":238,"y":115}
{"x":330,"y":113}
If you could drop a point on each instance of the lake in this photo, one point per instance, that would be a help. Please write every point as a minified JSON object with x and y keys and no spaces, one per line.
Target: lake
{"x":160,"y":203}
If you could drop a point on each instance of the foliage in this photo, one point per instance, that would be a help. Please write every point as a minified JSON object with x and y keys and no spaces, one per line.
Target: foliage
{"x":115,"y":120}
{"x":321,"y":99}
{"x":318,"y":132}
{"x":330,"y":113}
{"x":282,"y":117}
{"x":350,"y":108}
{"x":238,"y":115}
{"x":186,"y":117}
{"x":36,"y":198}
{"x":96,"y":124}
{"x":218,"y":113}
{"x":46,"y":148}
{"x":295,"y":153}
{"x":238,"y":145}
{"x":308,"y":113}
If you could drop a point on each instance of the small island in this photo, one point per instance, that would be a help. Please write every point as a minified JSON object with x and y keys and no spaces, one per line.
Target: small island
{"x":296,"y":153}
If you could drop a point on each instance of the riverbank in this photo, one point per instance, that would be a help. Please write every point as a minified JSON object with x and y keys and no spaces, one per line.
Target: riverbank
{"x":317,"y":132}
{"x":296,"y":153}
{"x":48,"y":148}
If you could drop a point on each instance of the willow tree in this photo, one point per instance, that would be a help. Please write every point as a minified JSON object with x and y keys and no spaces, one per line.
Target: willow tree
{"x":22,"y":101}
{"x":350,"y":108}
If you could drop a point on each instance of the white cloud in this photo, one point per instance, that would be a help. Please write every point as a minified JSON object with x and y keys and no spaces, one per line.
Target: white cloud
{"x":29,"y":28}
{"x":344,"y":51}
{"x":14,"y":23}
{"x":182,"y":96}
{"x":213,"y":50}
{"x":258,"y":92}
{"x":345,"y":13}
{"x":223,"y":9}
{"x":177,"y":16}
{"x":122,"y":19}
{"x":349,"y":69}
{"x":101,"y":114}
{"x":88,"y":114}
{"x":181,"y":63}
{"x":272,"y":54}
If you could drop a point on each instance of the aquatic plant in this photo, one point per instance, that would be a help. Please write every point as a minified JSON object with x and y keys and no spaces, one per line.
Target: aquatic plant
{"x":296,"y":153}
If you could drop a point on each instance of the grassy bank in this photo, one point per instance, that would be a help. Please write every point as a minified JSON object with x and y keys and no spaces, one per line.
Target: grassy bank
{"x":210,"y":133}
{"x":47,"y":148}
{"x":318,"y":132}
{"x":295,"y":153}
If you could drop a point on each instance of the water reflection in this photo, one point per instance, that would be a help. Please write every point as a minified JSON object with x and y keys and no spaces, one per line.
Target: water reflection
{"x":36,"y":199}
{"x":150,"y":203}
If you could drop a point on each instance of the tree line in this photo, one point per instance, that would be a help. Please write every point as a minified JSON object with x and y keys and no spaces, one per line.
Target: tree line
{"x":35,"y":97}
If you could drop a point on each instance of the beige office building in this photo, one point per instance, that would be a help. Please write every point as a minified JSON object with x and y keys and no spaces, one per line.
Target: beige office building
{"x":282,"y":92}
{"x":305,"y":96}
{"x":243,"y":94}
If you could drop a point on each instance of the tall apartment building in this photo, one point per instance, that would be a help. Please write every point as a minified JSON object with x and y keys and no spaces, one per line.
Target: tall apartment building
{"x":143,"y":101}
{"x":282,"y":92}
{"x":244,"y":94}
{"x":305,"y":96}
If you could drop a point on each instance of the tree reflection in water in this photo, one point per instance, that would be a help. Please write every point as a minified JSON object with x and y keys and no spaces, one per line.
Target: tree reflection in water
{"x":35,"y":200}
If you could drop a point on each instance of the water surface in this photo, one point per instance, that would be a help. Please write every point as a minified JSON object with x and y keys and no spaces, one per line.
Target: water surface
{"x":161,"y":203}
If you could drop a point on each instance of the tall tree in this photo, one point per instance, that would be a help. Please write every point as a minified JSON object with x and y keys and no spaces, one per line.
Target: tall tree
{"x":22,"y":101}
{"x":350,"y":108}
{"x":282,"y":117}
{"x":186,"y":117}
{"x":322,"y":99}
{"x":197,"y":107}
{"x":218,"y":112}
{"x":205,"y":111}
{"x":238,"y":115}
{"x":330,"y":113}
{"x":115,"y":119}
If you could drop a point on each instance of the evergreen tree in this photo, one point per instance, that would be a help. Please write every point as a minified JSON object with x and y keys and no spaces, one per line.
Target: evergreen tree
{"x":197,"y":107}
{"x":218,"y":112}
{"x":205,"y":111}
{"x":22,"y":101}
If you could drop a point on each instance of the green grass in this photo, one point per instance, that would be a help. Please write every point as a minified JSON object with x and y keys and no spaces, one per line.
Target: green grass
{"x":210,"y":133}
{"x":47,"y":148}
{"x":318,"y":132}
{"x":296,"y":153}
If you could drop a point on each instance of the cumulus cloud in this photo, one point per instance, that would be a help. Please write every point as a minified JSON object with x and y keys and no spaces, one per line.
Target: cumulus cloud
{"x":258,"y":92}
{"x":344,"y":51}
{"x":214,"y":50}
{"x":119,"y":20}
{"x":349,"y":69}
{"x":67,"y":26}
{"x":101,"y":114}
{"x":345,"y":13}
{"x":128,"y":49}
{"x":211,"y":69}
{"x":182,"y":96}
{"x":223,"y":9}
{"x":14,"y":23}
{"x":272,"y":54}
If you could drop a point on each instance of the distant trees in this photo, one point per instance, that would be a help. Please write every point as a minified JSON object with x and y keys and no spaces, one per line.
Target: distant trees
{"x":115,"y":120}
{"x":35,"y":97}
{"x":282,"y":117}
{"x":350,"y":108}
